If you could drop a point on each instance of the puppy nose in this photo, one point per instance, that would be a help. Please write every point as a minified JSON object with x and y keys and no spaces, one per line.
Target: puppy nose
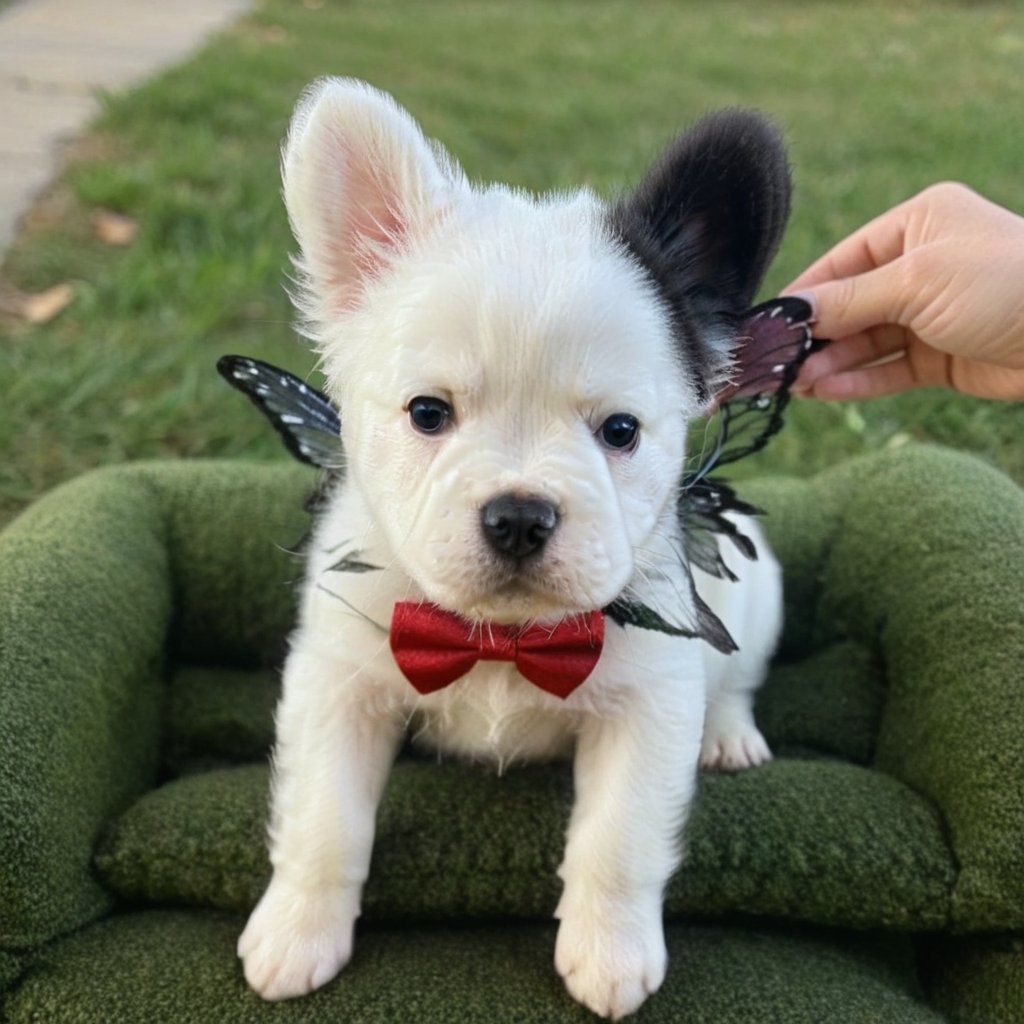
{"x":517,"y":526}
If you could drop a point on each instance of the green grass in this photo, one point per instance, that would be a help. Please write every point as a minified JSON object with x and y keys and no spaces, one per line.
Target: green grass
{"x":877,"y":101}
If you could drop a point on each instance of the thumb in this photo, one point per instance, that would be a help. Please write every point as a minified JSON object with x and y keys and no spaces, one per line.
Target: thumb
{"x":849,"y":305}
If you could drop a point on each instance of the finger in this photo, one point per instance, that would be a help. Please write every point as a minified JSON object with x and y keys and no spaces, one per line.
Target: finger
{"x":878,"y":242}
{"x":918,"y":366}
{"x":853,"y":305}
{"x":982,"y":380}
{"x":845,"y":353}
{"x":987,"y":381}
{"x":887,"y":379}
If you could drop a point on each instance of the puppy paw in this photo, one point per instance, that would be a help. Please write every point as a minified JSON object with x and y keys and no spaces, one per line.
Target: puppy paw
{"x":297,"y":940}
{"x":732,"y":746}
{"x":611,"y":958}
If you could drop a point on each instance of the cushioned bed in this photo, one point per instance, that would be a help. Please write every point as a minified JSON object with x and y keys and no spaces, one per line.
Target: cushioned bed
{"x":873,"y":871}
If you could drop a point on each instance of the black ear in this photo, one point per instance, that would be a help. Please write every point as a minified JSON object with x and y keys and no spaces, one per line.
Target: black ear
{"x":705,"y":223}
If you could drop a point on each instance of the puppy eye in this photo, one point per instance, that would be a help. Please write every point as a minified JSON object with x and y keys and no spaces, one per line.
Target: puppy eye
{"x":620,"y":431}
{"x":429,"y":415}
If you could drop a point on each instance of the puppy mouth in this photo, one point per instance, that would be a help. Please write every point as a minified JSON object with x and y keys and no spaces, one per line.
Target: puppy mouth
{"x":514,"y":596}
{"x":521,"y":593}
{"x":545,"y":586}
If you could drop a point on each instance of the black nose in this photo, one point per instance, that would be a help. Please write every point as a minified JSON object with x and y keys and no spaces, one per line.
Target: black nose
{"x":517,"y":526}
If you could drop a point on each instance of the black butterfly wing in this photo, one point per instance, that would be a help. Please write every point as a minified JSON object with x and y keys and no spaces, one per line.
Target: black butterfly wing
{"x":703,"y":623}
{"x":774,"y":340}
{"x":308,"y":423}
{"x":702,"y":509}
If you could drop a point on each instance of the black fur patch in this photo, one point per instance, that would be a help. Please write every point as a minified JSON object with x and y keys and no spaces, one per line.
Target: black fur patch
{"x":705,"y":222}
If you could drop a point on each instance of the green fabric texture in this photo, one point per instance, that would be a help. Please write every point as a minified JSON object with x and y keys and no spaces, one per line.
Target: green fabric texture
{"x":923,"y":566}
{"x":84,"y":608}
{"x":230,"y":528}
{"x":10,"y":969}
{"x":95,"y":580}
{"x":829,"y":702}
{"x":224,"y":714}
{"x":977,"y":979}
{"x":943,"y":599}
{"x":457,"y":842}
{"x":172,"y":967}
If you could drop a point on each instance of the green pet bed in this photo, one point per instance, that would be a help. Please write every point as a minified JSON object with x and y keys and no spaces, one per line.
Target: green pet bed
{"x":874,"y":871}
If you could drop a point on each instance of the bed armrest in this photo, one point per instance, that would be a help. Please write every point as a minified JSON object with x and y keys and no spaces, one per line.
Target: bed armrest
{"x":928,"y":568}
{"x":105,"y":584}
{"x":85,"y":604}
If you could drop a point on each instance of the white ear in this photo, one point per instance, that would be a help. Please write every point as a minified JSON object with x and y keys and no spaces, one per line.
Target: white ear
{"x":360,"y":182}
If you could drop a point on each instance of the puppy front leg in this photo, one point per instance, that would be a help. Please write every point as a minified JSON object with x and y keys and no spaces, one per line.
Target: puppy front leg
{"x":635,"y":777}
{"x":330,"y":765}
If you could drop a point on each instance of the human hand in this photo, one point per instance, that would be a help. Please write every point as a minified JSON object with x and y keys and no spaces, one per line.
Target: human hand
{"x":934,"y":289}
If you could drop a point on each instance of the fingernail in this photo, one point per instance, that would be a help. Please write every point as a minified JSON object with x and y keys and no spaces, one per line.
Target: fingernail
{"x":811,"y":301}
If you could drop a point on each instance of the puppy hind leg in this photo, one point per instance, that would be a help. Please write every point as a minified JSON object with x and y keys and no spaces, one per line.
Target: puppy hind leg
{"x":732,"y":741}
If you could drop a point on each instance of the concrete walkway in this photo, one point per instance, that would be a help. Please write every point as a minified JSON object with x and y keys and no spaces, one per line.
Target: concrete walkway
{"x":56,"y":54}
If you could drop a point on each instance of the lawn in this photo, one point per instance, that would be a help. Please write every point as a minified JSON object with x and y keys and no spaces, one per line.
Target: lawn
{"x":876,"y":101}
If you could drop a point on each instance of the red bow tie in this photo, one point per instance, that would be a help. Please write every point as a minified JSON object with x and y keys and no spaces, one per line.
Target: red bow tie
{"x":433,"y":648}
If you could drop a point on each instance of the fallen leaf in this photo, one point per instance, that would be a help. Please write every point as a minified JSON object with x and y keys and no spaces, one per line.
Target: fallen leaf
{"x":42,"y":307}
{"x":276,"y":34}
{"x":114,"y":228}
{"x":11,"y":299}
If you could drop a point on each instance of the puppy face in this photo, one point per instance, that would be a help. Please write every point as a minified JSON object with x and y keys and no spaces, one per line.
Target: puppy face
{"x":514,"y":375}
{"x":515,"y":412}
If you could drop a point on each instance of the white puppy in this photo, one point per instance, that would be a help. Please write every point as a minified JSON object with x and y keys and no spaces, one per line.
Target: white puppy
{"x":515,"y":376}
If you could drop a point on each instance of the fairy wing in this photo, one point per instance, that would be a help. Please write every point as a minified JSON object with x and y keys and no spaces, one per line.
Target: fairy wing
{"x":774,"y":340}
{"x":703,"y":623}
{"x":308,"y":423}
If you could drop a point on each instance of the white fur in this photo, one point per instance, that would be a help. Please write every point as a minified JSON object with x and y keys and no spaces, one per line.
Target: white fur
{"x":535,"y":326}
